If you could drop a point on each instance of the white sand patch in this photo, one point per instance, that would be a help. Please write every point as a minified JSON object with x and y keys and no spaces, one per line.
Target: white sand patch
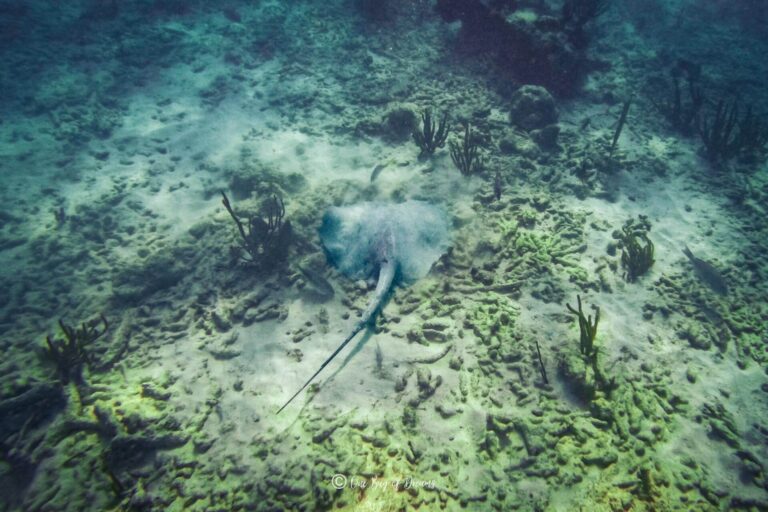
{"x":681,"y":215}
{"x":317,"y":158}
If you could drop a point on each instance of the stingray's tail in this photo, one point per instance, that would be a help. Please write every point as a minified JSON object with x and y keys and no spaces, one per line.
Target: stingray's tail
{"x":386,"y":277}
{"x":357,"y":329}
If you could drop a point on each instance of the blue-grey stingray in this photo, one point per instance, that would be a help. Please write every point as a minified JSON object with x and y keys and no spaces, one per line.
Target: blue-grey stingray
{"x":396,"y":242}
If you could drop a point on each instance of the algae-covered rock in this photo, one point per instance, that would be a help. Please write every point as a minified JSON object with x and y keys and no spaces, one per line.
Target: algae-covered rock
{"x":431,"y":331}
{"x":409,"y":418}
{"x":697,"y":334}
{"x":601,"y":459}
{"x":399,"y":122}
{"x":493,"y":320}
{"x":256,"y":179}
{"x":579,"y":374}
{"x":491,"y":444}
{"x":532,"y":107}
{"x":426,"y":383}
{"x":546,"y":137}
{"x":202,"y":443}
{"x":515,"y":143}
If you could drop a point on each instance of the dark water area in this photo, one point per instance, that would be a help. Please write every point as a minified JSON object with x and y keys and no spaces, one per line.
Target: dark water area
{"x":515,"y":252}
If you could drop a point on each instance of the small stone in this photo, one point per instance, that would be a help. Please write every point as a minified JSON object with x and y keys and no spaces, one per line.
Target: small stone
{"x":445,"y":412}
{"x":221,"y":324}
{"x":455,"y":363}
{"x":519,"y":144}
{"x":409,"y":417}
{"x":434,"y":335}
{"x":602,"y":460}
{"x":203,"y":444}
{"x":149,"y":390}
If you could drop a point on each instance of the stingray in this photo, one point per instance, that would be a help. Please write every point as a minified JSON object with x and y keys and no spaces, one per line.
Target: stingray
{"x":397,"y":243}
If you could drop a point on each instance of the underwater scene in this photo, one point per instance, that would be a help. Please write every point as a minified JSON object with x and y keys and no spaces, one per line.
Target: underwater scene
{"x":384,"y":255}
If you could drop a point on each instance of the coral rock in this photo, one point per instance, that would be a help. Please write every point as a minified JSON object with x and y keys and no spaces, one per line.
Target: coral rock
{"x":532,"y":108}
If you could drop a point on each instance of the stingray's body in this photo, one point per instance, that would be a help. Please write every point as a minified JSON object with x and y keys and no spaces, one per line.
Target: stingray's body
{"x":395,"y":241}
{"x":385,"y":259}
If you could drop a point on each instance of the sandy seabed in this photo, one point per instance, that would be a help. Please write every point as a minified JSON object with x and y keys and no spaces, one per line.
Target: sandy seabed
{"x":470,"y":390}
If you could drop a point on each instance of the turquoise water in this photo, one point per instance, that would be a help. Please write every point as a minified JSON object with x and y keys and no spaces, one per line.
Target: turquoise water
{"x":550,"y":233}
